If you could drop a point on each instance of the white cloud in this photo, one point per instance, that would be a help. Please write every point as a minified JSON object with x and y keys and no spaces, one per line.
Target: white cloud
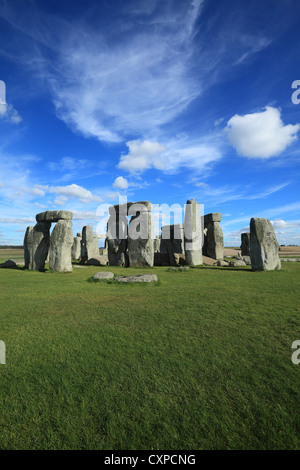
{"x":74,"y":191}
{"x":144,"y":155}
{"x":260,"y":135}
{"x":120,"y":183}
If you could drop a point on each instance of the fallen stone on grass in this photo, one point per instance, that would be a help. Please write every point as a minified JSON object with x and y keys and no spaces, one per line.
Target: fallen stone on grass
{"x":137,"y":278}
{"x":221,"y":262}
{"x":8,"y":264}
{"x":236,"y":263}
{"x":103,"y":275}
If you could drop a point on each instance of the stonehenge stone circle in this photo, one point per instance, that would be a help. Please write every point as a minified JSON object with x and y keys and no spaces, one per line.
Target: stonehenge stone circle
{"x":263,"y":245}
{"x":245,"y":243}
{"x":61,"y":241}
{"x":193,"y":233}
{"x":213,"y":236}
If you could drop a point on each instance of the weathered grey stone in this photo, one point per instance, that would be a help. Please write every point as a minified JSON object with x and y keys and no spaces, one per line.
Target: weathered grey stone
{"x":145,"y":206}
{"x":36,"y":245}
{"x":140,"y":246}
{"x":247,"y":260}
{"x":237,"y":262}
{"x":116,"y":240}
{"x":76,"y":247}
{"x":193,"y":231}
{"x":137,"y":278}
{"x":221,"y":262}
{"x":212,"y":217}
{"x":53,"y":216}
{"x":263,"y":245}
{"x":245,"y":244}
{"x":101,"y":260}
{"x":214,"y":241}
{"x":172,"y":241}
{"x":156,"y":245}
{"x":61,"y":241}
{"x":103,"y":275}
{"x":89,"y":244}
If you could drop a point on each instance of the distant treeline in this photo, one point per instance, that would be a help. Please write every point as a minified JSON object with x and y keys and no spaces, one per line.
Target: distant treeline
{"x":15,"y":247}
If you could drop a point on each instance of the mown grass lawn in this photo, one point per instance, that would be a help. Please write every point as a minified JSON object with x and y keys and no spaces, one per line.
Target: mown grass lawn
{"x":200,"y":361}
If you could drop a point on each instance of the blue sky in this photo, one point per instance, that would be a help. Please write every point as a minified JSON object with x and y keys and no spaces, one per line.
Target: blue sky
{"x":162,"y":100}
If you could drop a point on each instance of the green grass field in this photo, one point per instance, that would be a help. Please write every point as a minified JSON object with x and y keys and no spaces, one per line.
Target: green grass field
{"x":200,"y":361}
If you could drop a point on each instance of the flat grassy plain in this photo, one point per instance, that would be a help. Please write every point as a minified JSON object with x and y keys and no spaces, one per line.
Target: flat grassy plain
{"x":202,"y":360}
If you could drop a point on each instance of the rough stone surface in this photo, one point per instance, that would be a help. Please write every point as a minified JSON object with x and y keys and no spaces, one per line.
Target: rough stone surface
{"x":36,"y":245}
{"x":247,"y":260}
{"x":53,"y":216}
{"x":103,"y":275}
{"x":101,"y":260}
{"x":76,"y":248}
{"x":61,"y":241}
{"x":145,"y":206}
{"x":172,"y":242}
{"x":193,"y":233}
{"x":221,"y":262}
{"x":237,"y":262}
{"x":156,"y":245}
{"x":137,"y":278}
{"x":89,"y":244}
{"x":212,"y":217}
{"x":141,"y":250}
{"x":263,"y":246}
{"x":215,"y":241}
{"x":245,"y":244}
{"x":116,"y":240}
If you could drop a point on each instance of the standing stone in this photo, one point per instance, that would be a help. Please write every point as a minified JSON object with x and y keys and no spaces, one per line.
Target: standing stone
{"x":61,"y":241}
{"x":89,"y":244}
{"x":172,"y":241}
{"x":193,"y":233}
{"x":141,"y":235}
{"x":213,"y":236}
{"x":263,"y":246}
{"x":36,"y":245}
{"x":245,"y":244}
{"x":76,"y":248}
{"x":116,"y":237}
{"x":157,"y":244}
